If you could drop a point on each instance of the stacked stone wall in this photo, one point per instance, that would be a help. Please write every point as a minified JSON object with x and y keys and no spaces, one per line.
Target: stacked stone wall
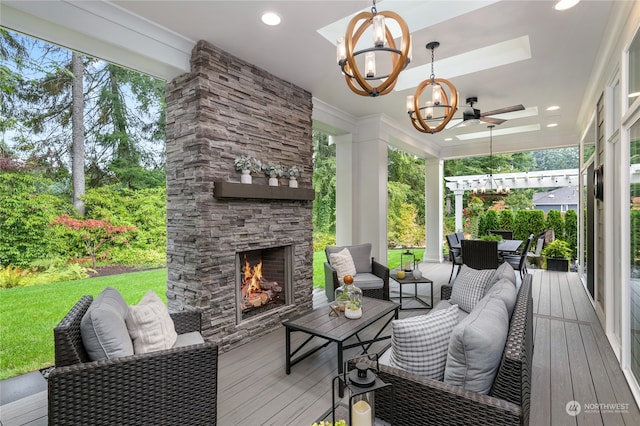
{"x":225,"y":108}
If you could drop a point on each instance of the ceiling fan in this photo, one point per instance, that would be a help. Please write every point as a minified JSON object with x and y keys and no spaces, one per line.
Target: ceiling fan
{"x":471,"y":115}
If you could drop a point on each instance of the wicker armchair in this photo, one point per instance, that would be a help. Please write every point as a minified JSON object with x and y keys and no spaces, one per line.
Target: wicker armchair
{"x":363,"y":265}
{"x":173,"y":386}
{"x":420,"y":401}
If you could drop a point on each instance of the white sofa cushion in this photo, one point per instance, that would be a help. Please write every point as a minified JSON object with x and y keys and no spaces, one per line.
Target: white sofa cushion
{"x":419,"y":344}
{"x":469,"y":287}
{"x":103,"y":329}
{"x":150,"y":325}
{"x":476,"y":346}
{"x":342,"y":262}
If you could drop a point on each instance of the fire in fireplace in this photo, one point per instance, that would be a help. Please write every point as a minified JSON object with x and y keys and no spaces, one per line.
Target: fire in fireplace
{"x":263,"y":280}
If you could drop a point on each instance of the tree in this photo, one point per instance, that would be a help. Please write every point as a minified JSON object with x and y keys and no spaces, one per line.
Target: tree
{"x":324,"y":184}
{"x":77,"y":132}
{"x":123,"y":117}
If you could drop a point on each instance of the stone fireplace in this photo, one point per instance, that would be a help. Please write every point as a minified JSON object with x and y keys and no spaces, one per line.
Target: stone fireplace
{"x":222,"y":109}
{"x":263,"y":281}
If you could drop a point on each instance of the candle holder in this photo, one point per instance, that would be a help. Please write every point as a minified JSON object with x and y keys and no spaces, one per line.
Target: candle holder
{"x":360,"y":382}
{"x":407,"y":261}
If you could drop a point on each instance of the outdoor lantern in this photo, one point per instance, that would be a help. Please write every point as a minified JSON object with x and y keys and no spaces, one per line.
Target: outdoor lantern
{"x":407,"y":260}
{"x":359,"y":385}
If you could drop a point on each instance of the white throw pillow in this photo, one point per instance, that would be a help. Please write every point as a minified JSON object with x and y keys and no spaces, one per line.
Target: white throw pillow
{"x":469,"y":287}
{"x":419,"y":345}
{"x":150,"y":325}
{"x":342,"y":262}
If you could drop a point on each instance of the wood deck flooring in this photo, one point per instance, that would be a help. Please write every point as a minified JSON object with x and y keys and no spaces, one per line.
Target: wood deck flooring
{"x":572,"y":362}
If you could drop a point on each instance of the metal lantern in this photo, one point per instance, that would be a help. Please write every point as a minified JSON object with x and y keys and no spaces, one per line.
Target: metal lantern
{"x":360,"y":385}
{"x":407,"y":261}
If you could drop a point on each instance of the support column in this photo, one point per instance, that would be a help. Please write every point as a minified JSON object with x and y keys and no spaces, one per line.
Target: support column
{"x":458,"y":193}
{"x":344,"y":188}
{"x":434,"y":176}
{"x":370,"y":160}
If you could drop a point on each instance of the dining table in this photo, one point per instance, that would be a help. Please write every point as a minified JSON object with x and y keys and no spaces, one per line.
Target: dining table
{"x":504,"y":246}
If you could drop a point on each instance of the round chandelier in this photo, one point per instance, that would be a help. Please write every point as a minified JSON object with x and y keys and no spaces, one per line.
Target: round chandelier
{"x":440,"y":101}
{"x":383,"y":43}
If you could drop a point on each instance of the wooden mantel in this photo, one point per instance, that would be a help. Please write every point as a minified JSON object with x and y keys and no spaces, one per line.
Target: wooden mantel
{"x":224,"y":189}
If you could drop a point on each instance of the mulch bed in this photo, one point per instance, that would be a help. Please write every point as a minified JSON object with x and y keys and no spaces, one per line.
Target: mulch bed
{"x":103,"y":271}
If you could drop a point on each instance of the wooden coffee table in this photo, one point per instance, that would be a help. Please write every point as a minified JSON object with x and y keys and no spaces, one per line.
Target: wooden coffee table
{"x":318,"y":323}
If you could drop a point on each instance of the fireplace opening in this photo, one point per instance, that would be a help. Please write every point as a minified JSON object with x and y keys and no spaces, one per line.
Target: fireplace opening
{"x":263,"y":280}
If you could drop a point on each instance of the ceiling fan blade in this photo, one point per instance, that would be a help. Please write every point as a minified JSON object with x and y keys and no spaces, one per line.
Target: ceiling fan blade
{"x":492,"y":120}
{"x":503,"y":110}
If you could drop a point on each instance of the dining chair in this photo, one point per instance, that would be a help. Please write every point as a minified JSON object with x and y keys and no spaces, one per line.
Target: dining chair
{"x":479,"y":254}
{"x":505,"y":234}
{"x":454,"y":254}
{"x":519,"y":263}
{"x":535,"y":256}
{"x":460,"y":236}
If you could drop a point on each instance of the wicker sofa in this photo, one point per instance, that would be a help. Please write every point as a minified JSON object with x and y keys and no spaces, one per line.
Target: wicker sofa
{"x":172,"y":386}
{"x":419,"y":400}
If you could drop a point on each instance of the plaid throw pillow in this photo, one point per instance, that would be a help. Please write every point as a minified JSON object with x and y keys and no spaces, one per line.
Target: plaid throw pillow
{"x":419,"y":345}
{"x":469,"y":287}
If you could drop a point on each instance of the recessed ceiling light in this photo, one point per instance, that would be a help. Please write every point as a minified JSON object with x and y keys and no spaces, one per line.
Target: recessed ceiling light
{"x":270,"y":18}
{"x":448,"y":139}
{"x":565,"y":4}
{"x":634,"y":94}
{"x":553,"y":108}
{"x":552,"y":124}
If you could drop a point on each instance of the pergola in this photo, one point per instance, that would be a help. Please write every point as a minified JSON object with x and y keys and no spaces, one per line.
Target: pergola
{"x":521,"y":180}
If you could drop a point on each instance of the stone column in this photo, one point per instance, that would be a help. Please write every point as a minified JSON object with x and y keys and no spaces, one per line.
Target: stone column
{"x":433,"y":209}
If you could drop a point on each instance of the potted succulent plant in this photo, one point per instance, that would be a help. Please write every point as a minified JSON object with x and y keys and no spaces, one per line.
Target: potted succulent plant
{"x":292,"y":173}
{"x":558,"y":254}
{"x":273,"y":171}
{"x":246,"y":165}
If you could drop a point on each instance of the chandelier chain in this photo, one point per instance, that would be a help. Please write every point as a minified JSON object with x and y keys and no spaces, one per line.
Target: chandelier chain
{"x":374,"y":11}
{"x":433,"y":74}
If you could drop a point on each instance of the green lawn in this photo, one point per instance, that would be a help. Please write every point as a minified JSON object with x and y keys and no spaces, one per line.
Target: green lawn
{"x":29,"y":314}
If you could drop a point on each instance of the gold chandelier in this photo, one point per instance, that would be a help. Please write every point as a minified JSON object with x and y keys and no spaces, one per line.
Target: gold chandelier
{"x":383,"y":42}
{"x":439,"y":106}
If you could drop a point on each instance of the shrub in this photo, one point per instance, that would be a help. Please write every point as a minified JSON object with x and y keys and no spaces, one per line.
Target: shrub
{"x":491,"y":220}
{"x":571,"y":231}
{"x":12,"y":276}
{"x":27,"y":206}
{"x":528,"y":222}
{"x":321,"y":240}
{"x":557,"y":249}
{"x":556,"y":222}
{"x":506,"y":219}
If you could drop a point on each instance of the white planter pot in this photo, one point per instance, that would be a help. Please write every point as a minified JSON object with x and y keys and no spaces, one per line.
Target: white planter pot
{"x":246,"y":176}
{"x":293,"y":183}
{"x":353,"y":313}
{"x":273,"y":181}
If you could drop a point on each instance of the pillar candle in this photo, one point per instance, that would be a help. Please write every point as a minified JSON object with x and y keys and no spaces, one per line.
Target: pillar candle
{"x":407,"y":265}
{"x":361,"y":414}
